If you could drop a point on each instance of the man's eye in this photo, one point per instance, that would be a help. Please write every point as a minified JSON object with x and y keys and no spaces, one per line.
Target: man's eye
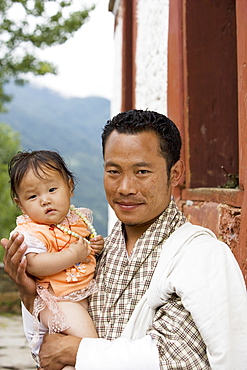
{"x":51,"y":190}
{"x":112,"y":172}
{"x":143,"y":172}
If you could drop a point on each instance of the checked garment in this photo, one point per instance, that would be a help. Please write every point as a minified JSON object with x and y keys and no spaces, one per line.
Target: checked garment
{"x":122,"y":281}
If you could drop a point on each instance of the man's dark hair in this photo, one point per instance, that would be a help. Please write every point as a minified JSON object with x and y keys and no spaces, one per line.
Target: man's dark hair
{"x":135,"y":121}
{"x":38,"y":161}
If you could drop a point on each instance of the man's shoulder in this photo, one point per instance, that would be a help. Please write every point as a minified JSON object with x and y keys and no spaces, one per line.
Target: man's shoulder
{"x":188,"y":229}
{"x":193,"y":236}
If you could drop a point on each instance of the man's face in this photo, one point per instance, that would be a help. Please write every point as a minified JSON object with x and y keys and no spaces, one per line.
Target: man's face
{"x":135,"y":177}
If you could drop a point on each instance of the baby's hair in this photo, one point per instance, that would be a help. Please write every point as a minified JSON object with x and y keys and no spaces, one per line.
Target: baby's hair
{"x":38,"y":161}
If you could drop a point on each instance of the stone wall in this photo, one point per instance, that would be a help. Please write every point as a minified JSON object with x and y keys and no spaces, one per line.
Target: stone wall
{"x":222,"y":219}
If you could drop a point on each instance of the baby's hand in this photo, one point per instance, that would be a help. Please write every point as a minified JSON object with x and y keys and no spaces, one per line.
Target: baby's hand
{"x":81,"y":250}
{"x":97,"y":243}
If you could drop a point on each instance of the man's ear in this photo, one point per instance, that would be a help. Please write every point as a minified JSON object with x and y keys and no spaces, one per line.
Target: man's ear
{"x":176,"y":173}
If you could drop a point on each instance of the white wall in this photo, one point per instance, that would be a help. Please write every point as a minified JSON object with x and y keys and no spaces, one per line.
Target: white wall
{"x":151,"y":61}
{"x":117,"y":75}
{"x":117,"y":86}
{"x":151,"y":55}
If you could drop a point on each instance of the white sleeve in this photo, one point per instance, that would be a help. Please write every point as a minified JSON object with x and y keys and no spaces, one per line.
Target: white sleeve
{"x":34,"y":245}
{"x":211,"y":286}
{"x":120,"y":354}
{"x":27,"y":319}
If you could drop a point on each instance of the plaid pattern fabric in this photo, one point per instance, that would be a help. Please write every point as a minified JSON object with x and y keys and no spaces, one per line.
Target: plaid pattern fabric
{"x":179,"y":343}
{"x":122,"y":281}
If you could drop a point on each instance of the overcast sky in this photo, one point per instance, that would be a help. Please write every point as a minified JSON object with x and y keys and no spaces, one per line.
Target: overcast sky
{"x":85,"y":62}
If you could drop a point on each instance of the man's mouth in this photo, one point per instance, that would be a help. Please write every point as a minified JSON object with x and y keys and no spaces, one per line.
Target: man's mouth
{"x":128,"y":205}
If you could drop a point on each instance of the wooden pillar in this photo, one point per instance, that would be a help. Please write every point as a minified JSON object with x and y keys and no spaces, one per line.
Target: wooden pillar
{"x":175,"y":88}
{"x":241,"y":15}
{"x":128,"y":54}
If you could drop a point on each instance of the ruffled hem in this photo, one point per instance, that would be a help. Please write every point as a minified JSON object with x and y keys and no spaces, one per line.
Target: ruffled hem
{"x":57,"y":321}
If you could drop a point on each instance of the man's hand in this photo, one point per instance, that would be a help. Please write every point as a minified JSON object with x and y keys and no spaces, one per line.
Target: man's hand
{"x":15,"y":266}
{"x":58,"y":350}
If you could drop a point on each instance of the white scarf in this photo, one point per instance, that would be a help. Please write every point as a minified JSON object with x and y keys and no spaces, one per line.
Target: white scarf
{"x":205,"y":274}
{"x":156,"y":295}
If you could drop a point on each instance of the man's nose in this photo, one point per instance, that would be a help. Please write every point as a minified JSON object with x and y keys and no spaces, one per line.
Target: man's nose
{"x":127,"y":185}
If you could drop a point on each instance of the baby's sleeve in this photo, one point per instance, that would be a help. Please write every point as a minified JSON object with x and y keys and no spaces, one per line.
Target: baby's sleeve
{"x":34,"y":245}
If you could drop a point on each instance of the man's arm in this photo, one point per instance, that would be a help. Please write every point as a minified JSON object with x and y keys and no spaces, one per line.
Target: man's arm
{"x":15,"y":266}
{"x":59,"y":350}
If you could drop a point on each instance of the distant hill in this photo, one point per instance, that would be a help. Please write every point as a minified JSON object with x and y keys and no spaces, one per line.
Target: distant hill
{"x":73,"y":127}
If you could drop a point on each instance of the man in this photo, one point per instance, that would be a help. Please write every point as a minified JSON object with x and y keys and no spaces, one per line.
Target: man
{"x":171,"y":296}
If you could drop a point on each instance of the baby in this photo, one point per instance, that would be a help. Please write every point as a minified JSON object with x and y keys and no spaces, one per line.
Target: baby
{"x":62,"y":245}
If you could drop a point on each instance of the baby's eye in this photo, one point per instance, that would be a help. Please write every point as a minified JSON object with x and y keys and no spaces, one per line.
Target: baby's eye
{"x":51,"y":190}
{"x":32,"y":196}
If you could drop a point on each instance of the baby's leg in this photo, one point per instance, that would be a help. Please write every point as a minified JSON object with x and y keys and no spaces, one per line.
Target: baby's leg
{"x":77,"y":317}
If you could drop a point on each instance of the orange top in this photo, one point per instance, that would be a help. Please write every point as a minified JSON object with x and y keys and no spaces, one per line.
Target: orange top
{"x":51,"y":239}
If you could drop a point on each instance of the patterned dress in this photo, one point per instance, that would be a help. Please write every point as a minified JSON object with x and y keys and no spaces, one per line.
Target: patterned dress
{"x":75,"y":283}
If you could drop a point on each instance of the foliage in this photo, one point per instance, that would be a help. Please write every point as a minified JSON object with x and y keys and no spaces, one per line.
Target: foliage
{"x":72,"y":127}
{"x":26,"y":26}
{"x":9,"y":145}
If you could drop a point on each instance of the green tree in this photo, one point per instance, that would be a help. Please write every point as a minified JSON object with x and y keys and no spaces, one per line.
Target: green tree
{"x":9,"y":146}
{"x":28,"y":25}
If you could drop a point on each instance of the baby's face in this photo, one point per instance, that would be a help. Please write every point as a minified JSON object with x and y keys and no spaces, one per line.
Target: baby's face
{"x":44,"y":199}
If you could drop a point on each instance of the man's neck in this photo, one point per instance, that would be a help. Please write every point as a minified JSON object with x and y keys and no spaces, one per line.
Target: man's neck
{"x":133,"y":232}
